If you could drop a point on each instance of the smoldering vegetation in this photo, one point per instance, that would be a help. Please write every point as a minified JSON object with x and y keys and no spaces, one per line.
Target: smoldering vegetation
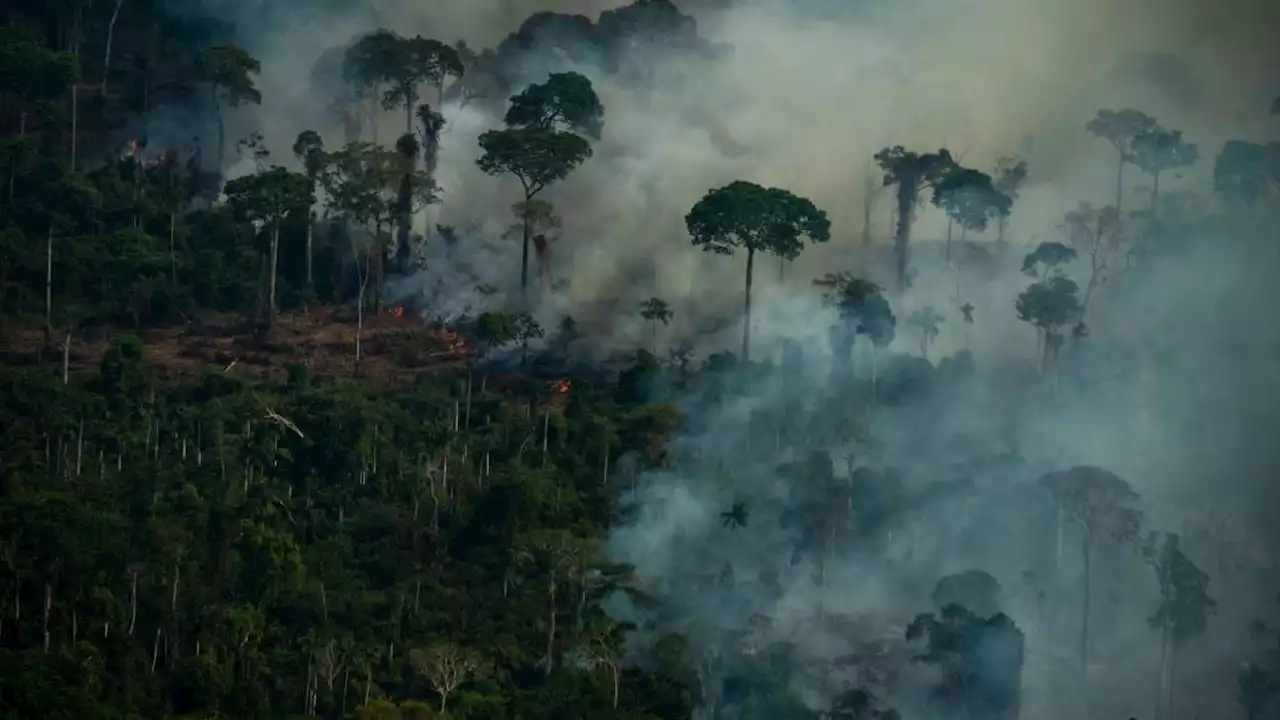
{"x":1057,"y":435}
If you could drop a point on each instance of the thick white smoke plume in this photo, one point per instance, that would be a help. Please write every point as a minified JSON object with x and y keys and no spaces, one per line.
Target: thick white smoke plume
{"x":1173,"y":390}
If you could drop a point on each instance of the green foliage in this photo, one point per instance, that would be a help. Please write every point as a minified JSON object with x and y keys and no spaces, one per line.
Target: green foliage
{"x":29,"y":71}
{"x":1121,"y":128}
{"x":566,"y":101}
{"x":970,"y":197}
{"x":536,"y":157}
{"x":1247,"y":172}
{"x":229,"y":71}
{"x":1159,"y":150}
{"x":756,"y":219}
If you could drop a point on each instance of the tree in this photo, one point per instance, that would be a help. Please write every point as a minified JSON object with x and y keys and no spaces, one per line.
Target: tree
{"x":1100,"y":503}
{"x":309,"y":149}
{"x":926,"y":320}
{"x":974,"y":590}
{"x":1158,"y":151}
{"x":655,"y":310}
{"x":912,"y":172}
{"x":969,"y":198}
{"x":480,"y":80}
{"x":1099,"y":235}
{"x":524,"y":329}
{"x":1049,"y":305}
{"x":566,"y":102}
{"x":374,"y":187}
{"x":411,"y":62}
{"x":537,"y":158}
{"x":370,"y":63}
{"x":270,"y":198}
{"x":1121,"y":128}
{"x":757,"y":219}
{"x":445,"y":665}
{"x":31,"y":73}
{"x":979,"y":661}
{"x":605,"y":645}
{"x":228,"y":71}
{"x":1010,"y":176}
{"x":1183,"y":613}
{"x":1256,"y":690}
{"x":1246,"y":172}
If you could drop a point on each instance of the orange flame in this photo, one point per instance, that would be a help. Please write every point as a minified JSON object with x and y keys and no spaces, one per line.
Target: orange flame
{"x":456,"y":343}
{"x":561,"y":387}
{"x":398,"y":311}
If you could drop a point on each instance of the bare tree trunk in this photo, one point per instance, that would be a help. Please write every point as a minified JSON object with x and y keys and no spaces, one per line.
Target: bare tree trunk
{"x":271,"y":281}
{"x":1120,"y":183}
{"x":907,"y":191}
{"x":111,"y":32}
{"x":867,"y":192}
{"x":746,"y":306}
{"x":75,"y":119}
{"x":173,"y":253}
{"x":551,"y":623}
{"x":1086,"y":549}
{"x":48,"y":284}
{"x":311,"y":221}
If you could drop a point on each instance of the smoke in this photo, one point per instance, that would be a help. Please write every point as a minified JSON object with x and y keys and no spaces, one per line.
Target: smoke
{"x":1173,"y":389}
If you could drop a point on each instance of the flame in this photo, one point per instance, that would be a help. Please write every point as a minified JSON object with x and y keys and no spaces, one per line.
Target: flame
{"x":561,"y":387}
{"x":398,"y":311}
{"x":456,"y":343}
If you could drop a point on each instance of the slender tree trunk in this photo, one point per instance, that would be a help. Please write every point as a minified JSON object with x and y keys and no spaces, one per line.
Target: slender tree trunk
{"x":75,"y":119}
{"x":1120,"y":183}
{"x":551,"y":623}
{"x":106,"y":59}
{"x":907,"y":192}
{"x":1155,"y":198}
{"x":947,"y":252}
{"x":524,"y":251}
{"x":271,"y":281}
{"x":311,"y":221}
{"x":1086,"y":548}
{"x":48,"y":284}
{"x":746,"y":305}
{"x":222,"y":129}
{"x":173,"y":253}
{"x":867,"y":192}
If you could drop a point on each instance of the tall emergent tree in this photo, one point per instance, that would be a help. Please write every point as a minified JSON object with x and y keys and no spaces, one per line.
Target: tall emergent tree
{"x":1121,"y":128}
{"x":228,"y":71}
{"x":412,"y":62}
{"x":270,"y":198}
{"x":366,"y":184}
{"x":1010,"y":176}
{"x":566,"y":101}
{"x":912,"y":172}
{"x":1101,"y":504}
{"x":971,"y":199}
{"x":536,"y":147}
{"x":1052,"y":303}
{"x":1183,"y":613}
{"x":756,"y":219}
{"x":655,"y":310}
{"x":309,"y":149}
{"x":1158,"y":151}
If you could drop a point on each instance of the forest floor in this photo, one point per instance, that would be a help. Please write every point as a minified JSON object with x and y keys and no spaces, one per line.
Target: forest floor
{"x":393,"y":349}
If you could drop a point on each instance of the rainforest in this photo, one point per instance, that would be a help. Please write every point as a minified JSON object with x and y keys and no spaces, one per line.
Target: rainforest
{"x":649,"y":360}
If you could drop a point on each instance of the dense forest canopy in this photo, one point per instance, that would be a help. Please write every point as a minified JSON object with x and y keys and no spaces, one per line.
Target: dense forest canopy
{"x":367,"y":361}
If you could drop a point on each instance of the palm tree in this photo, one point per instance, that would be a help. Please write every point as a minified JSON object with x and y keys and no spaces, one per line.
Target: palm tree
{"x":655,"y":310}
{"x":927,"y":320}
